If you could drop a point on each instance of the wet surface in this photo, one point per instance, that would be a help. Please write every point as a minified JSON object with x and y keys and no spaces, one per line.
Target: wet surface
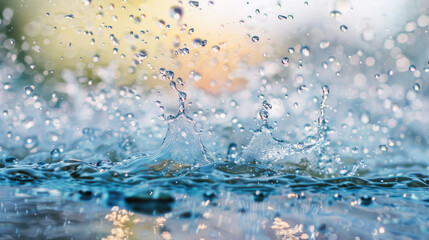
{"x":301,"y":120}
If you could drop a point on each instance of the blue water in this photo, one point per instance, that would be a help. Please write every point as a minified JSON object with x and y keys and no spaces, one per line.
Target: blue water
{"x":270,"y":189}
{"x":326,"y":140}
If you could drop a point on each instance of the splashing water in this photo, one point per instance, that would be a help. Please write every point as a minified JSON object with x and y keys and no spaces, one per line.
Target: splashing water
{"x":83,"y":155}
{"x":182,"y":144}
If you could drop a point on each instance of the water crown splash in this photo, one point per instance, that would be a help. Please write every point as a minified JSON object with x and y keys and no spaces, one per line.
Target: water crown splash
{"x":182,"y":146}
{"x":264,"y":149}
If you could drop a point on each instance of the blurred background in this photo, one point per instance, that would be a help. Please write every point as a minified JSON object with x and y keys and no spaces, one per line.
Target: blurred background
{"x":86,"y":83}
{"x":212,"y":43}
{"x":82,"y":57}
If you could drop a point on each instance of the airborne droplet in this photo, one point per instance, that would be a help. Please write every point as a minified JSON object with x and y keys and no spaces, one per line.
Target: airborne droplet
{"x":140,"y":56}
{"x":383,"y":148}
{"x":29,"y":89}
{"x":55,"y":154}
{"x":285,"y":61}
{"x":69,"y":16}
{"x":86,"y":2}
{"x":194,"y":4}
{"x":305,"y":51}
{"x":282,"y":17}
{"x":336,"y":14}
{"x":96,"y":58}
{"x":176,"y":12}
{"x":324,"y":44}
{"x":215,"y":48}
{"x":343,"y":28}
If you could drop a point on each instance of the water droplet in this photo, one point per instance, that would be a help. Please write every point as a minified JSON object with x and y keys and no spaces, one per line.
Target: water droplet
{"x":115,"y":41}
{"x":86,"y":2}
{"x":336,"y":14}
{"x":325,"y":65}
{"x":69,"y":16}
{"x":173,"y":85}
{"x":324,"y":44}
{"x":55,"y":154}
{"x":169,"y":75}
{"x":183,"y":51}
{"x":416,"y":87}
{"x":137,"y":20}
{"x":28,"y":123}
{"x":232,"y":153}
{"x":96,"y":58}
{"x":7,"y":86}
{"x":412,"y":68}
{"x":30,"y":143}
{"x":305,"y":51}
{"x":391,"y":142}
{"x":176,"y":12}
{"x":199,"y":43}
{"x":263,"y":114}
{"x":364,"y":118}
{"x":325,"y":91}
{"x":140,"y":56}
{"x":180,"y":81}
{"x":215,"y":48}
{"x":266,"y":105}
{"x":343,"y":28}
{"x":302,"y":88}
{"x":194,"y":4}
{"x":182,"y":95}
{"x":161,"y":23}
{"x":383,"y":148}
{"x":285,"y":61}
{"x":282,"y":17}
{"x":255,"y":39}
{"x":29,"y":89}
{"x":162,"y":71}
{"x":295,"y":105}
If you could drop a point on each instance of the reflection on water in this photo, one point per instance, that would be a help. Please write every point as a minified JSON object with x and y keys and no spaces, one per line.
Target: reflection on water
{"x":300,"y":120}
{"x":284,"y":231}
{"x":120,"y":219}
{"x":289,"y":214}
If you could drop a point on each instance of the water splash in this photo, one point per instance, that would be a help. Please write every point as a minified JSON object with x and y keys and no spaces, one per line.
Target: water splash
{"x":182,"y":146}
{"x":311,"y":154}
